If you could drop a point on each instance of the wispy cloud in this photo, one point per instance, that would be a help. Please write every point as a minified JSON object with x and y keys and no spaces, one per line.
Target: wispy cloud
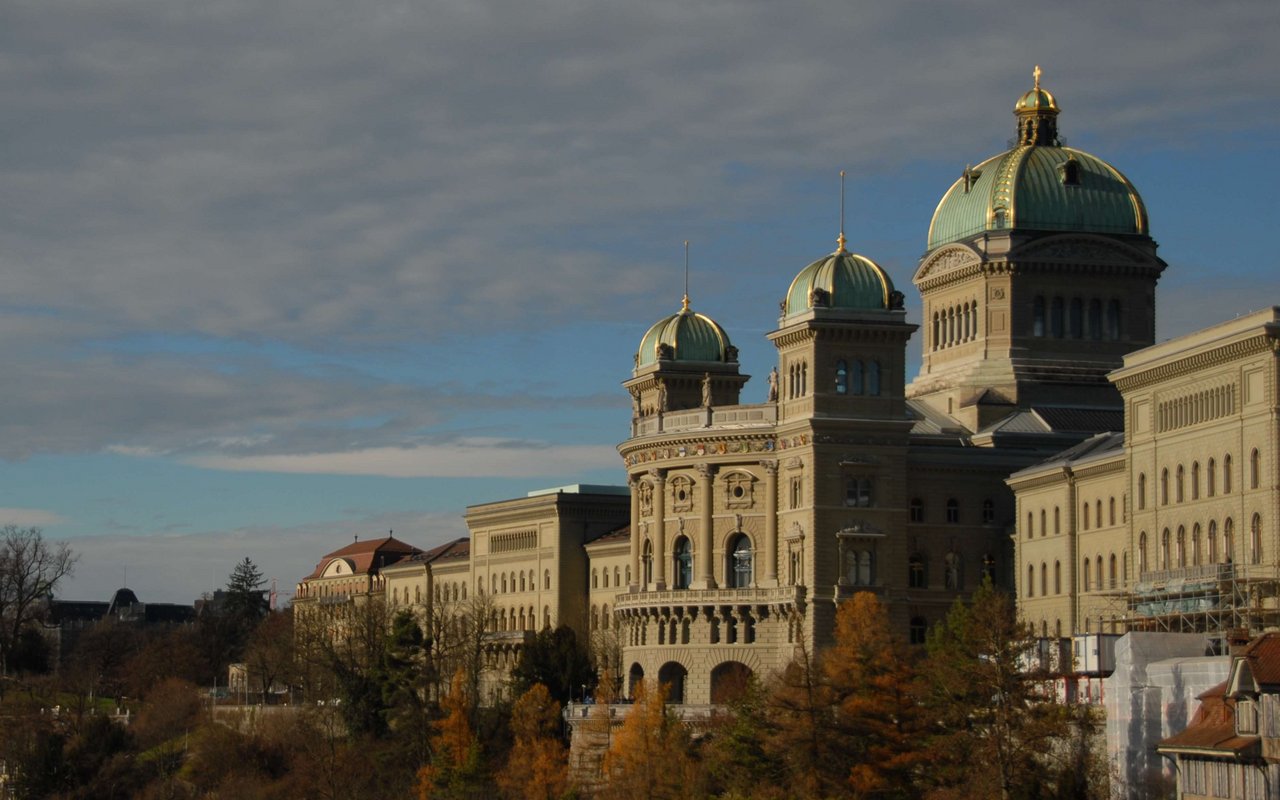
{"x":26,"y":517}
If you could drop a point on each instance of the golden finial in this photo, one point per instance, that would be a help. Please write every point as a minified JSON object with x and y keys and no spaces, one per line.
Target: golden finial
{"x":685,"y":305}
{"x":1036,"y":74}
{"x":840,"y":240}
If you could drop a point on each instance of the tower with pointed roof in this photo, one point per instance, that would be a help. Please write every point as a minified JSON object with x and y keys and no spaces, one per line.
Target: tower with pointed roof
{"x":1040,"y":275}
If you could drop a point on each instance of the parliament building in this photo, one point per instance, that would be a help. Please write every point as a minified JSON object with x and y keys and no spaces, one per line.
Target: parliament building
{"x":743,"y":525}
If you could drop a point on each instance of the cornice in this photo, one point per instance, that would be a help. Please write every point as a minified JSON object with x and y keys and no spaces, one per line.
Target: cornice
{"x":1127,"y":381}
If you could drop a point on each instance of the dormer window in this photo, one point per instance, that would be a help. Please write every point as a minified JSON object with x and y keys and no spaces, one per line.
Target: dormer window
{"x":1069,"y":172}
{"x":969,"y":178}
{"x":1246,"y":717}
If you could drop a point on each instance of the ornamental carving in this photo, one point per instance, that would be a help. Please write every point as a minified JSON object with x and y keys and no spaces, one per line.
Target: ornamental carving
{"x":1077,"y":250}
{"x":949,"y":259}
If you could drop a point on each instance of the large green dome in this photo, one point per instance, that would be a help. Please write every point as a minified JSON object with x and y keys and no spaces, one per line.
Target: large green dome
{"x":685,"y":336}
{"x":841,"y":280}
{"x":1039,"y":185}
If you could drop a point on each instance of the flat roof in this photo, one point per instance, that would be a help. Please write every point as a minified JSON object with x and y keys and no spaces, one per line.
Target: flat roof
{"x":582,"y":488}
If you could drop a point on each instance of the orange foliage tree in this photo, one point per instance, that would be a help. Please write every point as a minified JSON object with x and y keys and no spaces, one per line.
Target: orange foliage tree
{"x":649,"y":757}
{"x":455,"y":765}
{"x":537,"y":768}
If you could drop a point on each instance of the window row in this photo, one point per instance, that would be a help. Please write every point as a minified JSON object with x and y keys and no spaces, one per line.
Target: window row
{"x":1198,"y":479}
{"x":798,"y":380}
{"x":1177,"y":550}
{"x":597,"y":574}
{"x":955,"y":325}
{"x":600,"y":618}
{"x":1195,"y":408}
{"x":951,"y":510}
{"x":738,"y":569}
{"x":918,"y":573}
{"x":1076,"y":318}
{"x":514,"y":582}
{"x":1097,"y":517}
{"x":518,"y":619}
{"x":853,"y":377}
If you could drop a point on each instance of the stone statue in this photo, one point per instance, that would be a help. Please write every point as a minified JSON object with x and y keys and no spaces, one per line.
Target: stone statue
{"x":706,"y":390}
{"x":773,"y":385}
{"x":662,"y":396}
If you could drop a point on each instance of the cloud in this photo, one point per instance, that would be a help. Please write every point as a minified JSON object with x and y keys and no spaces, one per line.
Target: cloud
{"x":459,"y":459}
{"x":29,"y":517}
{"x":179,"y":568}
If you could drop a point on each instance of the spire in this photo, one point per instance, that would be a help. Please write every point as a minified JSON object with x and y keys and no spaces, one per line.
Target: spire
{"x":840,"y":240}
{"x":684,"y":306}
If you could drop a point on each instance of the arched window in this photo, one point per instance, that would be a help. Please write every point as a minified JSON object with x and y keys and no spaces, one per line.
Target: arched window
{"x":1177,"y":484}
{"x":1229,"y":540}
{"x":1084,"y":573}
{"x":546,"y":579}
{"x":617,"y":578}
{"x":1111,"y":511}
{"x":1057,"y":577}
{"x":859,"y":567}
{"x":1142,"y":553}
{"x":1044,"y":528}
{"x":683,"y":572}
{"x":1212,"y":476}
{"x":1255,"y":539}
{"x":858,"y":383}
{"x":504,"y":583}
{"x":953,"y":510}
{"x":1037,"y":317}
{"x":604,"y":574}
{"x":1097,"y":514}
{"x":917,"y":509}
{"x":1213,"y":541}
{"x":1044,"y":579}
{"x":595,"y":580}
{"x":1195,"y":480}
{"x":1077,"y":318}
{"x":1142,"y":491}
{"x":739,"y":568}
{"x":1084,"y":516}
{"x":1196,"y":554}
{"x":522,"y":583}
{"x":1031,"y":528}
{"x":873,"y":378}
{"x":1226,"y":474}
{"x":1124,"y":562}
{"x":1057,"y":521}
{"x":1111,"y":572}
{"x":916,"y":578}
{"x":1031,"y":580}
{"x":1164,"y":486}
{"x":988,"y":511}
{"x":1098,"y":575}
{"x":1255,"y":469}
{"x":1182,"y":546}
{"x":1166,"y":547}
{"x":647,"y":562}
{"x":842,"y":377}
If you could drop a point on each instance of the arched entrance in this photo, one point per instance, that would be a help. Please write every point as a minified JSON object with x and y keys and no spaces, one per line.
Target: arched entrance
{"x":672,"y":675}
{"x":729,"y":681}
{"x":633,"y":677}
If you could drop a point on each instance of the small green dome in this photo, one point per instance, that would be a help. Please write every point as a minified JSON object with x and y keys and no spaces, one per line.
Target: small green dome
{"x":840,"y":280}
{"x":1039,"y":185}
{"x":685,"y":336}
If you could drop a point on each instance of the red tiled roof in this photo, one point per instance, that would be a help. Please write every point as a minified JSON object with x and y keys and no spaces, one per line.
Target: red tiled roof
{"x":1213,"y":728}
{"x":363,"y":554}
{"x":1264,"y":659}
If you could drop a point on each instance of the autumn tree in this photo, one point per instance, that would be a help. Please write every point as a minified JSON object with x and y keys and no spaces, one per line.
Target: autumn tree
{"x":537,"y":767}
{"x":876,"y":720}
{"x":994,"y":721}
{"x":30,"y":571}
{"x":798,"y":714}
{"x":268,"y":656}
{"x":455,"y":768}
{"x":649,"y":757}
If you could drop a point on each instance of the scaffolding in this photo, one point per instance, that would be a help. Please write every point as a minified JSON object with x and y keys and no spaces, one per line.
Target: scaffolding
{"x":1227,"y":601}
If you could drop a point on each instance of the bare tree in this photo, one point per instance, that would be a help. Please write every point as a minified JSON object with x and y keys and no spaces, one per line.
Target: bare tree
{"x":30,"y":569}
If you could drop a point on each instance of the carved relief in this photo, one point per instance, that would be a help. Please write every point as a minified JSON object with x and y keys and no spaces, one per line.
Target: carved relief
{"x":1077,"y":250}
{"x":949,"y":259}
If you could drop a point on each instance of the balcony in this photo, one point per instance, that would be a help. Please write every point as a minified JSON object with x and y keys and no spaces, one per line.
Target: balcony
{"x":688,"y":598}
{"x":695,"y":419}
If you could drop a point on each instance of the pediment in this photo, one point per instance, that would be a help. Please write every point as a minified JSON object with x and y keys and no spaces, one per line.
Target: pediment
{"x":946,"y":259}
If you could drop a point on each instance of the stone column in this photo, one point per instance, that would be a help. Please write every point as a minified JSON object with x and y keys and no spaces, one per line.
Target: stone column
{"x":770,"y":523}
{"x":659,"y":529}
{"x":634,"y":583}
{"x":706,"y":537}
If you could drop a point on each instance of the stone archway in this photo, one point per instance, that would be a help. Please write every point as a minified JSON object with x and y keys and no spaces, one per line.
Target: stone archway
{"x":635,"y":675}
{"x":673,"y":675}
{"x":729,"y":681}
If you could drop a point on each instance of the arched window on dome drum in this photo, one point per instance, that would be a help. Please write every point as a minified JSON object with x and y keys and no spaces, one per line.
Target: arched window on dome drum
{"x":1113,"y":320}
{"x":1055,"y":318}
{"x":1077,"y":318}
{"x":683,"y":572}
{"x":739,"y":569}
{"x":1037,"y":317}
{"x":842,"y":377}
{"x":1095,"y":318}
{"x":873,"y":378}
{"x":858,"y":383}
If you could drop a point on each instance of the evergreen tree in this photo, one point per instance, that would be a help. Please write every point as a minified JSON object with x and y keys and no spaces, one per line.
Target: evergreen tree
{"x":556,"y":660}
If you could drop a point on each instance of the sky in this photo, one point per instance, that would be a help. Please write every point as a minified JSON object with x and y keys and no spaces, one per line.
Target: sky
{"x":276,"y":275}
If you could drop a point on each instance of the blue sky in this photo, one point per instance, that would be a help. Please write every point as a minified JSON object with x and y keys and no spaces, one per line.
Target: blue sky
{"x":274,"y":277}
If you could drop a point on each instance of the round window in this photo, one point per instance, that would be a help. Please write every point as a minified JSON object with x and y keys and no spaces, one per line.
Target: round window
{"x":738,"y":491}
